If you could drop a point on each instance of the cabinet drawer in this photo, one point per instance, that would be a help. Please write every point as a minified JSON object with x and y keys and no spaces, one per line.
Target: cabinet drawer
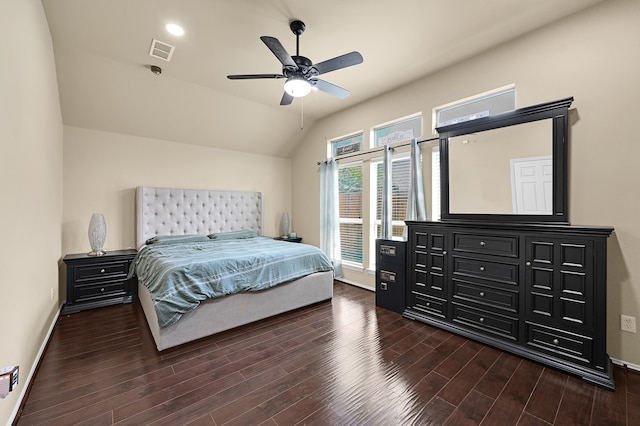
{"x":430,"y":305}
{"x":105,"y":289}
{"x":495,"y":324}
{"x":572,"y":346}
{"x":495,"y":271}
{"x":486,"y":295}
{"x":486,"y":244}
{"x":101,"y":270}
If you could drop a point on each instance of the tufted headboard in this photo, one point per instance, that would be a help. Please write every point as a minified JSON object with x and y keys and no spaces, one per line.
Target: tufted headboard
{"x":167,"y":211}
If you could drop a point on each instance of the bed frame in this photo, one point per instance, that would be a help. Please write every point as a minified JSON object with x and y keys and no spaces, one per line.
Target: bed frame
{"x":168,"y":211}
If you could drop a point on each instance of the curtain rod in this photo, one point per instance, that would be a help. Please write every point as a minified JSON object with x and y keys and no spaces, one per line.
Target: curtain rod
{"x":380,"y":149}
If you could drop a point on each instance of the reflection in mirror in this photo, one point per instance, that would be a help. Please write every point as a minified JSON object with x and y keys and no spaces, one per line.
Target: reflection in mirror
{"x":507,"y":170}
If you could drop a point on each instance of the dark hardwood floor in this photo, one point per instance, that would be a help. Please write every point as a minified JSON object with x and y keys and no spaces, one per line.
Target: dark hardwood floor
{"x":340,"y":363}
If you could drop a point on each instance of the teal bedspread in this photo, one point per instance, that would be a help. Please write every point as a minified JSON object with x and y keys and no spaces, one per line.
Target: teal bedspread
{"x":180,"y":276}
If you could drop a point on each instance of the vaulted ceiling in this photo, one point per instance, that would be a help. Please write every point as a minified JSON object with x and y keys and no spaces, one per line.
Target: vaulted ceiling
{"x":103,"y":63}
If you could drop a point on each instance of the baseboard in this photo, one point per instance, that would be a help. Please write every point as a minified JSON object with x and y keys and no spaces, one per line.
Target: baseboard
{"x":629,"y":365}
{"x":34,"y":367}
{"x":353,"y":283}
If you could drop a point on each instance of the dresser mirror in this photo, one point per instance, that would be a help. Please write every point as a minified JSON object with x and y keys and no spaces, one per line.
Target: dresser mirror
{"x":507,"y":167}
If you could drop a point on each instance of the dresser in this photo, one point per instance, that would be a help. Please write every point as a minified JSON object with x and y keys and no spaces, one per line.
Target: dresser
{"x":95,"y":281}
{"x":538,"y":291}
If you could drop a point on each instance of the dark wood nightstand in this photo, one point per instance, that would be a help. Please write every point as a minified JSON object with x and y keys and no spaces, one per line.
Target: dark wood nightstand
{"x":95,"y":281}
{"x":290,"y":240}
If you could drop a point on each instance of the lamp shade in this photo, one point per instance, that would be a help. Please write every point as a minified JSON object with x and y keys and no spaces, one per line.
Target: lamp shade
{"x":297,"y":86}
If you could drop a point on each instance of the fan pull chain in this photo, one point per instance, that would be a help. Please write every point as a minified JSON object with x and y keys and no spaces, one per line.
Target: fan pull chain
{"x":302,"y":113}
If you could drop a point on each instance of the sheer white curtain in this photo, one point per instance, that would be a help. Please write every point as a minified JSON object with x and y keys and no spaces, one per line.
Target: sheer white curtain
{"x":386,"y":231}
{"x":416,"y":208}
{"x":330,"y":214}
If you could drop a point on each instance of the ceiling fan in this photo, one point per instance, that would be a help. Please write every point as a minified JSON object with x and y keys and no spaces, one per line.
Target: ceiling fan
{"x":300,"y":72}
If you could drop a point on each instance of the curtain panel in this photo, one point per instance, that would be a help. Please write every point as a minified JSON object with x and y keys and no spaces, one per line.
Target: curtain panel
{"x":330,"y":214}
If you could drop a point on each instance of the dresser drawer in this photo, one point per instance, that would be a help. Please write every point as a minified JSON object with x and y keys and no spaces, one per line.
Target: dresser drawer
{"x":495,"y":271}
{"x":571,"y":346}
{"x":498,"y":325}
{"x":430,"y":305}
{"x":490,"y":296}
{"x":101,"y":271}
{"x":104,"y":289}
{"x":486,"y":244}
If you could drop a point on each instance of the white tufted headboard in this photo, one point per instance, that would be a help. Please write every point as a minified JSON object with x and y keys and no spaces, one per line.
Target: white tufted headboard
{"x":167,"y":211}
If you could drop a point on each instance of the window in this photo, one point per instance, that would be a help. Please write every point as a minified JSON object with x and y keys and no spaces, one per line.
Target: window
{"x":435,"y":183}
{"x":400,"y":177}
{"x":485,"y":104}
{"x":350,"y":204}
{"x":398,"y":131}
{"x":346,"y":145}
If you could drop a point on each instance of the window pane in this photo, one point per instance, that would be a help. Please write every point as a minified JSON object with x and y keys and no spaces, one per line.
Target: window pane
{"x":399,"y":131}
{"x":478,"y":106}
{"x":350,"y":205}
{"x":400,"y":178}
{"x":351,"y":242}
{"x":350,"y":190}
{"x":347,"y":145}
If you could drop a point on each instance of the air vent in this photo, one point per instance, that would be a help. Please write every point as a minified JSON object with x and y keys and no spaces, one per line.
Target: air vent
{"x":161,"y":50}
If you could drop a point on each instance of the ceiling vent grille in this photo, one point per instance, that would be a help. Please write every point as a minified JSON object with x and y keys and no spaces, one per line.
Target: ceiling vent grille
{"x":161,"y":50}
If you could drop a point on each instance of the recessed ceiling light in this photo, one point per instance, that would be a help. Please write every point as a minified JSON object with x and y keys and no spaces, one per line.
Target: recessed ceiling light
{"x":175,"y":29}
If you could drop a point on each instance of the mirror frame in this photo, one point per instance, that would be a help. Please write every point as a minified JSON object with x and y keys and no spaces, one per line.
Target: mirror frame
{"x":558,"y":112}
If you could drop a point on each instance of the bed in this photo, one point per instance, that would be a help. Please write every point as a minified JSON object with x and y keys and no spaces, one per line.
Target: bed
{"x":168,"y":213}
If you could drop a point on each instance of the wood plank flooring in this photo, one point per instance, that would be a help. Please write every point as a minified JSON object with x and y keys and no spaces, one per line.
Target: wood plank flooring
{"x":340,"y":363}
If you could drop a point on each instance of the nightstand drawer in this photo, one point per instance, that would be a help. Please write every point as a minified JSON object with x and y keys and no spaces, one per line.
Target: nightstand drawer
{"x":105,"y":289}
{"x":101,"y":270}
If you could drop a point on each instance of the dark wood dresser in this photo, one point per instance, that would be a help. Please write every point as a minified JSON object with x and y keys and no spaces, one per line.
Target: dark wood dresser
{"x":95,"y":281}
{"x":538,"y":291}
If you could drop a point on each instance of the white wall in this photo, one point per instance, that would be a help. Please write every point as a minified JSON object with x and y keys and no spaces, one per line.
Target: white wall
{"x":31,"y":188}
{"x":102,"y":170}
{"x":591,"y":56}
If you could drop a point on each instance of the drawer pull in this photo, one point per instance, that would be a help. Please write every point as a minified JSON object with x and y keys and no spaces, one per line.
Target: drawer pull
{"x":102,"y":271}
{"x":482,"y":268}
{"x":428,"y":304}
{"x":482,"y":294}
{"x":482,"y":244}
{"x":556,"y":342}
{"x":102,"y":289}
{"x":444,"y":252}
{"x":481,"y":319}
{"x":528,"y":263}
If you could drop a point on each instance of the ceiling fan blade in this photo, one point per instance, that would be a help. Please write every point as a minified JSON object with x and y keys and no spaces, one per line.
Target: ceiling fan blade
{"x":252,"y":76}
{"x":329,"y":88}
{"x":286,"y":99}
{"x":281,"y":53}
{"x":346,"y":60}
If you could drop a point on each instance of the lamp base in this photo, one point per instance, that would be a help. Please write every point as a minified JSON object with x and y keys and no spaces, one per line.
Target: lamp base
{"x":97,"y":253}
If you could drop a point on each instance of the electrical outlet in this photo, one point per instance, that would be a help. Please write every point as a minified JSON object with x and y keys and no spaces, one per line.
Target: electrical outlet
{"x":628,"y":323}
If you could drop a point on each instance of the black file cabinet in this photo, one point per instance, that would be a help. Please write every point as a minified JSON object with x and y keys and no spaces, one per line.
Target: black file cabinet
{"x":391,"y":274}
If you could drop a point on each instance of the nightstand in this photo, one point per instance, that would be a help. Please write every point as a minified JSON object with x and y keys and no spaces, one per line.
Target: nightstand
{"x":290,"y":240}
{"x":95,"y":281}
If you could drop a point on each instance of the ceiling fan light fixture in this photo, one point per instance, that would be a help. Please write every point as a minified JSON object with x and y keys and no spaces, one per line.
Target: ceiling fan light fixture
{"x":297,"y":86}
